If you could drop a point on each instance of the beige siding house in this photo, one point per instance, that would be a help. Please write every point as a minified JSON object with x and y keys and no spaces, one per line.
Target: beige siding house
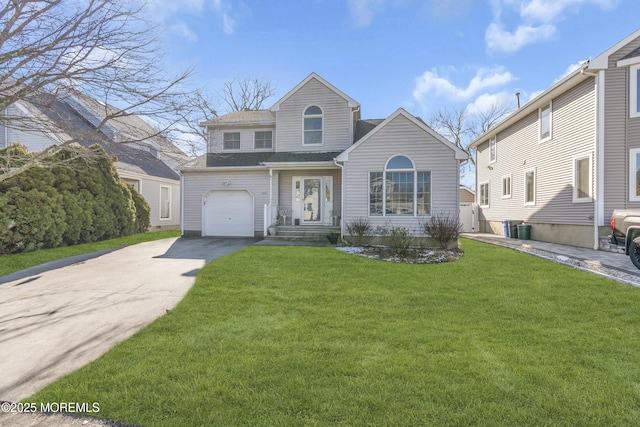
{"x":309,"y":162}
{"x":565,"y":160}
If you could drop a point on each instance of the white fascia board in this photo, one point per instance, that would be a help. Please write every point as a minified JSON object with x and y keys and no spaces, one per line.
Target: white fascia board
{"x":141,"y":176}
{"x":459,"y":153}
{"x":208,"y":169}
{"x":601,"y":62}
{"x":300,"y":165}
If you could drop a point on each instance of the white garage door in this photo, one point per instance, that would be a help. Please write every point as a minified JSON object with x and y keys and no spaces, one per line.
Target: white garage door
{"x":228,"y":213}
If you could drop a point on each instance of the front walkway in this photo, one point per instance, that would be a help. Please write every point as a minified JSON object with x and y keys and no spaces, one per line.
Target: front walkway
{"x":612,"y":265}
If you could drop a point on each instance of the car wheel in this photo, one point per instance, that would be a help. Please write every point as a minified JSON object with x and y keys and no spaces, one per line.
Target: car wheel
{"x":634,"y":252}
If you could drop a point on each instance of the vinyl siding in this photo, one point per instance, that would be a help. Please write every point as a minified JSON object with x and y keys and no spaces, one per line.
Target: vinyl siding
{"x":33,"y":140}
{"x":285,"y":195}
{"x":518,"y":150}
{"x":247,"y":141}
{"x":621,"y":134}
{"x":198,"y":184}
{"x":401,"y":137}
{"x":337,"y":119}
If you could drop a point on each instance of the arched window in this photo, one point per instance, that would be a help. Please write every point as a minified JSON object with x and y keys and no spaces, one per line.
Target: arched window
{"x":312,"y":125}
{"x":400,"y":189}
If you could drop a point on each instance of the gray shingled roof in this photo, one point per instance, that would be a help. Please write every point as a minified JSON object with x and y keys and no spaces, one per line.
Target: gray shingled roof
{"x":257,"y":159}
{"x":363,"y":127}
{"x":76,"y":126}
{"x":243,"y":117}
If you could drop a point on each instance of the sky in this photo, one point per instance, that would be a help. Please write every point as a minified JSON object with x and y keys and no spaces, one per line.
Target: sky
{"x":423,"y":56}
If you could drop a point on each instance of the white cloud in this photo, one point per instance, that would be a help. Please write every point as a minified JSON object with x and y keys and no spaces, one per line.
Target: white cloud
{"x":228,"y":24}
{"x":549,"y":10}
{"x":362,"y":11}
{"x":537,"y":21}
{"x":570,"y":69}
{"x":181,"y":28}
{"x":431,"y":83}
{"x":499,"y":39}
{"x":487,"y":101}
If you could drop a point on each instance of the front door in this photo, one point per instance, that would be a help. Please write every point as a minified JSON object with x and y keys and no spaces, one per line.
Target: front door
{"x":311,"y":209}
{"x":312,"y":199}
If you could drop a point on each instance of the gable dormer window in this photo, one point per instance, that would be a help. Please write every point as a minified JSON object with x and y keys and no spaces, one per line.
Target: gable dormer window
{"x":313,"y":125}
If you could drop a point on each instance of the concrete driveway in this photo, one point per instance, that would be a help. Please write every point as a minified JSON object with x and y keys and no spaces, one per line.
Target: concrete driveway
{"x":58,"y":317}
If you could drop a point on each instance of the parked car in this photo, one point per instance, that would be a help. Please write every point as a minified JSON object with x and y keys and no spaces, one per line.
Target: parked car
{"x":625,"y":232}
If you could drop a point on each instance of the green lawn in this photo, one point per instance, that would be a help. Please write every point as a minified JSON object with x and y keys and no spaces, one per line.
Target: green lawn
{"x":16,"y":262}
{"x":312,"y":336}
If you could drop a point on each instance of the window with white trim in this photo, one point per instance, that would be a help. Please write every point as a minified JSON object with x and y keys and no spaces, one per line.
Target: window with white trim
{"x":634,"y":174}
{"x":231,"y":141}
{"x":165,"y":202}
{"x":312,"y":125}
{"x":492,"y":150}
{"x":263,"y":140}
{"x":400,"y":189}
{"x":484,"y":194}
{"x":545,"y":120}
{"x":530,"y":187}
{"x":582,"y":179}
{"x":634,"y":91}
{"x":506,"y":187}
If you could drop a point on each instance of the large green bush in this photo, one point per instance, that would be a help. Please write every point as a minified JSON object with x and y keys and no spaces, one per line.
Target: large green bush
{"x":84,"y":201}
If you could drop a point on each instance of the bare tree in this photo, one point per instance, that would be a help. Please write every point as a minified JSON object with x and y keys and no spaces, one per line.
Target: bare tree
{"x":238,"y":94}
{"x":104,"y":48}
{"x":460,"y":127}
{"x":245,"y":94}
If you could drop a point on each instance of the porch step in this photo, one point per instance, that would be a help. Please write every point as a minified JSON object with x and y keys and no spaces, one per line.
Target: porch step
{"x":605,"y":245}
{"x":303,"y":232}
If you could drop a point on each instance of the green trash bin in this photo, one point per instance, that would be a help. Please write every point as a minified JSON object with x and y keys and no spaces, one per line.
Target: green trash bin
{"x":524,"y":232}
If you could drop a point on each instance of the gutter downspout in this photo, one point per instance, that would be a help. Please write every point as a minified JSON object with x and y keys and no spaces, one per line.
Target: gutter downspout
{"x":335,"y":162}
{"x":181,"y":203}
{"x":598,"y":152}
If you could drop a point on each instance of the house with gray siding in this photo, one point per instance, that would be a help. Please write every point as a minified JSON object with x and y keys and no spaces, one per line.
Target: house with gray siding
{"x":310,"y":162}
{"x":44,"y":121}
{"x":565,"y":160}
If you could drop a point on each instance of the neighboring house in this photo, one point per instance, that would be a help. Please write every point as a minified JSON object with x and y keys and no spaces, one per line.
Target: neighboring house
{"x":310,"y":161}
{"x":55,"y":121}
{"x":565,"y":160}
{"x":467,"y":195}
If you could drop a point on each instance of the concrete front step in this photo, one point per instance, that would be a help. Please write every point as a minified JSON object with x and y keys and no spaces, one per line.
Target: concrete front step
{"x":315,"y":233}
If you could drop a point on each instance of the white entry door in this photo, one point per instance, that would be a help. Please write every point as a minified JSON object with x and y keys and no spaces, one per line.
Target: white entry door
{"x":228,"y":213}
{"x":312,"y":199}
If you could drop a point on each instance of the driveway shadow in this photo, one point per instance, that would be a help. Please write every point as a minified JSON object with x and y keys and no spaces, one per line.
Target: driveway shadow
{"x":52,"y":265}
{"x":206,"y":248}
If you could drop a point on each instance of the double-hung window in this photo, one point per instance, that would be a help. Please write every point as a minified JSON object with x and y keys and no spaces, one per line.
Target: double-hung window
{"x":634,"y":174}
{"x":506,"y":187}
{"x":400,"y":189}
{"x":165,"y":202}
{"x":231,"y":141}
{"x":634,"y":95}
{"x":484,"y":194}
{"x":312,"y":125}
{"x":545,"y":122}
{"x":492,"y":150}
{"x":582,"y":178}
{"x":263,"y":140}
{"x":530,"y":187}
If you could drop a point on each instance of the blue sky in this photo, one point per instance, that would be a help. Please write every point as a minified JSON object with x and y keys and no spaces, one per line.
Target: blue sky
{"x":420,"y":55}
